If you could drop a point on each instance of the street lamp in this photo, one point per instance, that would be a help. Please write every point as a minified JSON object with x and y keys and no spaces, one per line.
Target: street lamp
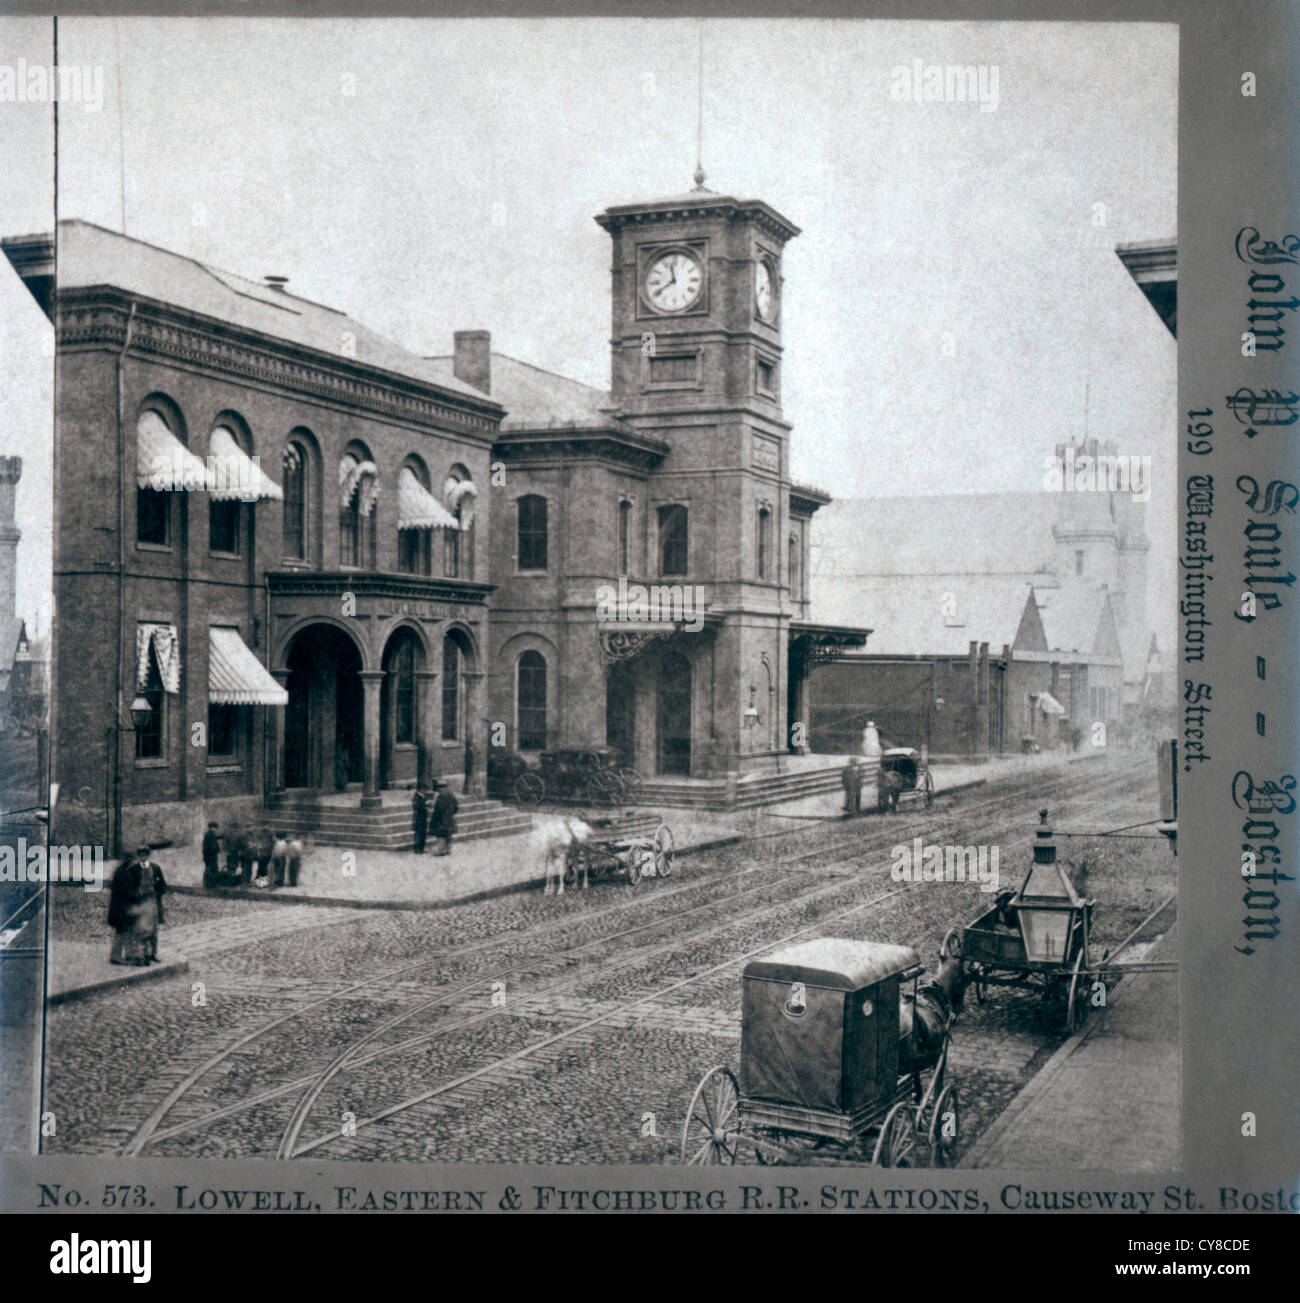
{"x":750,"y":715}
{"x":140,"y":710}
{"x":1053,"y":916}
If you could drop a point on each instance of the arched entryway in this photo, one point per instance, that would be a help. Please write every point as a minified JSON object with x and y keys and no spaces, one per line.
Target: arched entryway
{"x":323,"y":738}
{"x":399,"y":707}
{"x":620,"y":712}
{"x":673,"y":699}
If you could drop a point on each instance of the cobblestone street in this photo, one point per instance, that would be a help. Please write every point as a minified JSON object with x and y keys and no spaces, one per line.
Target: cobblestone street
{"x":541,"y":1029}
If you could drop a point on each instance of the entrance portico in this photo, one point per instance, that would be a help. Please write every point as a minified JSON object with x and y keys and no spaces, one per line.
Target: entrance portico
{"x":360,"y":655}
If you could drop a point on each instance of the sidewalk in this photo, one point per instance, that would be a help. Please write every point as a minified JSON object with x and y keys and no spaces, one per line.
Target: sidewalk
{"x":378,"y":879}
{"x":1110,"y":1099}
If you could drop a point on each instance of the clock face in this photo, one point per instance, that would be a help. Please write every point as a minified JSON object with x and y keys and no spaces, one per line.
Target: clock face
{"x":764,"y":295}
{"x":674,"y":282}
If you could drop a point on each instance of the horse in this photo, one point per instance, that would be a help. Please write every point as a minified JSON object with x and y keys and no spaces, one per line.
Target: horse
{"x":551,"y":840}
{"x":923,"y":1020}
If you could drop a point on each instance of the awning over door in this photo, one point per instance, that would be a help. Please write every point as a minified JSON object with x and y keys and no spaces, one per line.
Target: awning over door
{"x":417,"y":508}
{"x":236,"y":677}
{"x":163,"y":462}
{"x":235,"y":475}
{"x":1049,"y":705}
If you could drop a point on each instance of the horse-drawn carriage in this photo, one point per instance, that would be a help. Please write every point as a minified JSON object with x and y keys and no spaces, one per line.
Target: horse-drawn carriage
{"x":1040,"y":937}
{"x":640,"y":847}
{"x":903,"y":774}
{"x":833,"y":1052}
{"x":587,"y":775}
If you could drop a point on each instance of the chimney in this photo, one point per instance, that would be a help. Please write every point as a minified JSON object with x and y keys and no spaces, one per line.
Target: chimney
{"x":11,"y":470}
{"x":472,"y":361}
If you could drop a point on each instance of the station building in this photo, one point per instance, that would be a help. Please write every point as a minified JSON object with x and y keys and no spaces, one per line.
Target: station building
{"x":290,"y":555}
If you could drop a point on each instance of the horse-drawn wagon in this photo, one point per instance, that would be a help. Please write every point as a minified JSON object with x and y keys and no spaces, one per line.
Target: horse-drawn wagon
{"x":640,"y":847}
{"x":833,"y":1052}
{"x":586,"y":775}
{"x":1041,"y":937}
{"x":904,"y":774}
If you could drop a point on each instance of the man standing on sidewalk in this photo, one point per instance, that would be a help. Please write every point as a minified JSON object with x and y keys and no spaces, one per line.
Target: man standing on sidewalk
{"x":211,"y":858}
{"x":442,"y":821}
{"x":421,"y":807}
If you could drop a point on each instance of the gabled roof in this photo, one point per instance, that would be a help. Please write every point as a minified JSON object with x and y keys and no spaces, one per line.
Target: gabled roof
{"x":1079,"y":618}
{"x":535,"y":398}
{"x":13,"y":638}
{"x":90,"y":255}
{"x":932,"y":616}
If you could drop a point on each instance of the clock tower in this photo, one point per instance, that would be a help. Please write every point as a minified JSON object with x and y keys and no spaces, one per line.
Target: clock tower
{"x":696,"y":366}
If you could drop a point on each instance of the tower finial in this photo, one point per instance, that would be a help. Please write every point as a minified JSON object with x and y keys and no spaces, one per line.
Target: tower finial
{"x":699,"y":114}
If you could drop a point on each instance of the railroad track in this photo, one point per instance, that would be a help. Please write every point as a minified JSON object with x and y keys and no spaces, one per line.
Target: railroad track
{"x":358,"y":1053}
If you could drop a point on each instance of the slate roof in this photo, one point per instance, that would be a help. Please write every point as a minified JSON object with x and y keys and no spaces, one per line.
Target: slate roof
{"x":535,"y":398}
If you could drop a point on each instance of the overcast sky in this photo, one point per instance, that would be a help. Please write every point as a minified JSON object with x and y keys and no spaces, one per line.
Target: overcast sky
{"x":455,"y":189}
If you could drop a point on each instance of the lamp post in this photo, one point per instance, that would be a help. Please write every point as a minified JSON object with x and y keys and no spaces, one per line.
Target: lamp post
{"x":1054,"y":918}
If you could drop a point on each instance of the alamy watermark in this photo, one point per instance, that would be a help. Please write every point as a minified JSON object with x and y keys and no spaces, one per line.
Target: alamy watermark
{"x":231,"y":476}
{"x":921,"y":863}
{"x":21,"y":83}
{"x":666,"y":604}
{"x":24,"y":863}
{"x":1104,"y":473}
{"x":951,"y":83}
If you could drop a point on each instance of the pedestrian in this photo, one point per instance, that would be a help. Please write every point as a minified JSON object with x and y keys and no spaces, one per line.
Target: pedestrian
{"x":212,"y":857}
{"x":421,"y":810}
{"x":239,"y":865}
{"x":871,"y":748}
{"x":294,"y":851}
{"x":279,"y":859}
{"x":135,"y":910}
{"x":851,"y":777}
{"x":442,"y":820}
{"x":262,"y":845}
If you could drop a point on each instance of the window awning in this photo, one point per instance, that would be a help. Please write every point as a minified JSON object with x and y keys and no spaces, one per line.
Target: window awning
{"x":359,"y":479}
{"x":417,"y":508}
{"x":236,"y":677}
{"x":234,"y":474}
{"x":1049,"y":705}
{"x":461,"y":496}
{"x":163,"y":462}
{"x":161,"y":640}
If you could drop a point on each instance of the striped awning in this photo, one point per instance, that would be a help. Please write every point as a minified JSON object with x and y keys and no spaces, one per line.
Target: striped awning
{"x":1049,"y":705}
{"x":236,"y":677}
{"x":359,"y":479}
{"x":160,"y":642}
{"x":461,"y":496}
{"x":417,"y":508}
{"x":235,"y":475}
{"x":163,"y":462}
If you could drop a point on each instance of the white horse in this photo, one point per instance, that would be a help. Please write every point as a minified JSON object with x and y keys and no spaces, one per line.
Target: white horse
{"x":551,"y":839}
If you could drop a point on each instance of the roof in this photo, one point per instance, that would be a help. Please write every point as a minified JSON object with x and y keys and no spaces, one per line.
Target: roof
{"x":90,"y":255}
{"x":1079,"y":618}
{"x":835,"y":962}
{"x":13,"y":634}
{"x":536,"y":398}
{"x":937,"y":615}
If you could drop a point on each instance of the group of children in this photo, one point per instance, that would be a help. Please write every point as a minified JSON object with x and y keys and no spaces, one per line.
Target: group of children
{"x":259,"y":859}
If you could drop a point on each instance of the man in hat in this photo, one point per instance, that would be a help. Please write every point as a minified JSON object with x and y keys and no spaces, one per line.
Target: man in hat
{"x":442,"y":818}
{"x":421,"y":810}
{"x":135,"y":909}
{"x":211,"y":857}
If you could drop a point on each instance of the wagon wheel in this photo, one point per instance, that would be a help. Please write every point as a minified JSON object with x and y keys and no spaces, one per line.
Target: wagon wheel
{"x":951,"y":947}
{"x":929,"y":789}
{"x":942,"y":1147}
{"x":711,"y":1134}
{"x":604,"y":787}
{"x":529,"y":788}
{"x":635,"y":862}
{"x":897,"y":1137}
{"x":1077,"y":1008}
{"x":633,"y":786}
{"x":664,"y":850}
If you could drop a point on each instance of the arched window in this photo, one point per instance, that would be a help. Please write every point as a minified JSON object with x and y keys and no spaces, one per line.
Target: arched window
{"x":358,"y":492}
{"x":450,"y":689}
{"x":414,"y":528}
{"x":295,"y":501}
{"x":532,"y":532}
{"x":764,"y":542}
{"x":402,"y":672}
{"x":149,"y":736}
{"x":673,"y":540}
{"x":531,"y":697}
{"x":624,"y":537}
{"x":458,"y":544}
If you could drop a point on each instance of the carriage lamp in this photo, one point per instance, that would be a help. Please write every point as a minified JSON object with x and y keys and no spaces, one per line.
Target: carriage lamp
{"x":1047,"y":906}
{"x":750,"y":715}
{"x":141,"y":710}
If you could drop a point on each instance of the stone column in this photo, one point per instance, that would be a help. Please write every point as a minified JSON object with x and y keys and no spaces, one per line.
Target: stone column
{"x":476,"y":727}
{"x":275,"y":779}
{"x":371,"y":682}
{"x":427,"y":714}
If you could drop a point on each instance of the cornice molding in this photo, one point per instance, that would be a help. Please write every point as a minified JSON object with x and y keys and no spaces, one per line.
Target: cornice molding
{"x":98,"y":318}
{"x":371,"y":583}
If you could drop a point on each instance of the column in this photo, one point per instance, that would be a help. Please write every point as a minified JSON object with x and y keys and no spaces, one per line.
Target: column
{"x":427,"y":715}
{"x":371,"y":682}
{"x":275,"y":778}
{"x":476,"y":727}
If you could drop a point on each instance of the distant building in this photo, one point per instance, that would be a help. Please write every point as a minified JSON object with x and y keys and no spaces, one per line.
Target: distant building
{"x":15,"y":651}
{"x":1153,"y":264}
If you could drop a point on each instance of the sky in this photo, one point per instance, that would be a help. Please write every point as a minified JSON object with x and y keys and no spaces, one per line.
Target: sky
{"x":952,"y":298}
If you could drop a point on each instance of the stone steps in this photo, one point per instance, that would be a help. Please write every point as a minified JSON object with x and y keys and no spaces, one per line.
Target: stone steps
{"x":769,"y":789}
